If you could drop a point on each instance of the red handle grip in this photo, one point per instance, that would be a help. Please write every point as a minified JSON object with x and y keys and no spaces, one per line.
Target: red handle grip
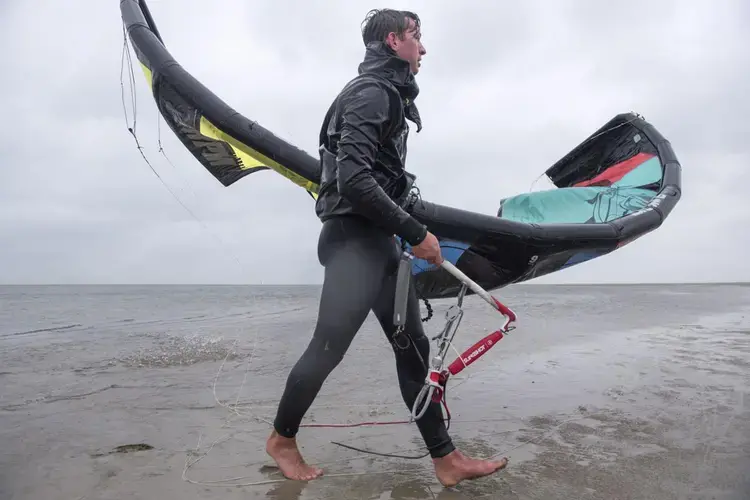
{"x":475,"y":352}
{"x":505,"y":310}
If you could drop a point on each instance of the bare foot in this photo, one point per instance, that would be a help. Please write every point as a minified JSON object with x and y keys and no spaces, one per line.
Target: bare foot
{"x":455,"y":467}
{"x":287,"y":456}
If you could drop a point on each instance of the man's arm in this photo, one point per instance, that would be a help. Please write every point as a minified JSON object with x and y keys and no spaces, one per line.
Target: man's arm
{"x":365,"y":116}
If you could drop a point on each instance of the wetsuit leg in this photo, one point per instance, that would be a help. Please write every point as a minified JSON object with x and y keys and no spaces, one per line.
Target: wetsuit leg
{"x":412,"y":351}
{"x":357,"y":257}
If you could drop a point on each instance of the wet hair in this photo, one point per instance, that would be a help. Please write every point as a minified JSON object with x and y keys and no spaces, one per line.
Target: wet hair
{"x":379,"y":22}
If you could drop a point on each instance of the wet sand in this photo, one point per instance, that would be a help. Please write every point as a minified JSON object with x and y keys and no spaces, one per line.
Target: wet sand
{"x":601,"y":393}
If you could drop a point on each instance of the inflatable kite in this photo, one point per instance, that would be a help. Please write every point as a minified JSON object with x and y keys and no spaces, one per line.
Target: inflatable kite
{"x":617,"y":185}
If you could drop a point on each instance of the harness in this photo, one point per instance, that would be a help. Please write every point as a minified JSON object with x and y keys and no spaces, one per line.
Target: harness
{"x":437,"y":375}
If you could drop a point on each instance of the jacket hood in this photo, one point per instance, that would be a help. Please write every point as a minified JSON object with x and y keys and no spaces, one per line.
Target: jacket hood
{"x":381,"y":60}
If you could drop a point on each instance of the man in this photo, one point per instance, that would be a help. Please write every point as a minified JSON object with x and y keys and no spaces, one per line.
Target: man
{"x":363,"y":151}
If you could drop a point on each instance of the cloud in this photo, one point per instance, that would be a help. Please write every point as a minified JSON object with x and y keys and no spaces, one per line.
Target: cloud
{"x":506,"y":90}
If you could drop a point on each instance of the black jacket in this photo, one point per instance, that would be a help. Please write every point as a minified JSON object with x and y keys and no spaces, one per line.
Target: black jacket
{"x":363,"y":146}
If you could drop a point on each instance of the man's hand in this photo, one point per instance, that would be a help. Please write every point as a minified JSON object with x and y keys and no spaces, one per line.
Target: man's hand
{"x":429,"y":250}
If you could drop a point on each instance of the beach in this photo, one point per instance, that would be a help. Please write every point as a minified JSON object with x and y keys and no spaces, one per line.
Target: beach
{"x":167,"y":392}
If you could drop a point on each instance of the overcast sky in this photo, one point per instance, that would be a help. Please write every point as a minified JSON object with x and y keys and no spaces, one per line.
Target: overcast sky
{"x":507,"y":88}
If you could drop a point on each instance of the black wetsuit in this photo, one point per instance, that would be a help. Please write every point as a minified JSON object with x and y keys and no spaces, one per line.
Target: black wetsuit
{"x":363,"y":149}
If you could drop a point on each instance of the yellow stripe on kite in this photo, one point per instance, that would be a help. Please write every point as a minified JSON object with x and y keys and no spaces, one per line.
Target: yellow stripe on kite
{"x":252,"y":158}
{"x":147,"y":72}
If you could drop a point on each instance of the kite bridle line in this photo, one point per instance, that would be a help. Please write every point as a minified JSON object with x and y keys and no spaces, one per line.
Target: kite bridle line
{"x":437,"y":375}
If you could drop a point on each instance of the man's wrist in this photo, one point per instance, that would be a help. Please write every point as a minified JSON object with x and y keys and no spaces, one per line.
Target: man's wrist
{"x":414,"y":232}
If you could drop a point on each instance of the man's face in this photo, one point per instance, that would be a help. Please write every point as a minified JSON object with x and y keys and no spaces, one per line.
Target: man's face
{"x":409,"y":47}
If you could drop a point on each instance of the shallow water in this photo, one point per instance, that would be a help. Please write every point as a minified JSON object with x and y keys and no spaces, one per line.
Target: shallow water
{"x":601,"y":392}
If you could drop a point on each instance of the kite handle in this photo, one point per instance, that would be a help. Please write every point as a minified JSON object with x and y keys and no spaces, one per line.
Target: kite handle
{"x":509,"y":315}
{"x":474,"y":352}
{"x":437,"y":377}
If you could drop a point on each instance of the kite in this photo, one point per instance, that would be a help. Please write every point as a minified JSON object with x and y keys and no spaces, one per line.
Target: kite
{"x":618,"y":184}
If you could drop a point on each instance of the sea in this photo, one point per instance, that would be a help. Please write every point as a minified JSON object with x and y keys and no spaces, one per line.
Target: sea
{"x":161,"y":392}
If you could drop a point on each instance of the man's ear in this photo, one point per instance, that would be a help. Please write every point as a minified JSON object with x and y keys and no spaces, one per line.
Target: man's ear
{"x":392,"y":40}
